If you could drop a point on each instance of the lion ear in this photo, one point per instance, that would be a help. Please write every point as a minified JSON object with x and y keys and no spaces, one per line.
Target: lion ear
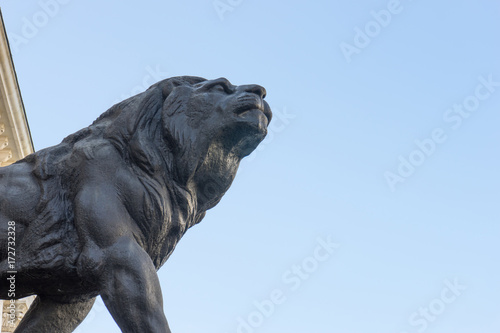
{"x":167,"y":88}
{"x":168,"y":85}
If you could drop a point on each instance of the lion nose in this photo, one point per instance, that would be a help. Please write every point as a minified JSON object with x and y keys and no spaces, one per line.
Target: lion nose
{"x":255,"y":89}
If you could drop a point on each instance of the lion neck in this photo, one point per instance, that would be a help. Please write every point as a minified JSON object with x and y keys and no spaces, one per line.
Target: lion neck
{"x":207,"y":173}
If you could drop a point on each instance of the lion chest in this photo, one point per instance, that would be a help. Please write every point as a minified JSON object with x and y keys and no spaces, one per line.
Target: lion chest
{"x":162,"y":217}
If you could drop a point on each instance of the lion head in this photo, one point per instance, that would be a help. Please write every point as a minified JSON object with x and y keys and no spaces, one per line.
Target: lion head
{"x":234,"y":116}
{"x":187,"y":129}
{"x":210,"y":126}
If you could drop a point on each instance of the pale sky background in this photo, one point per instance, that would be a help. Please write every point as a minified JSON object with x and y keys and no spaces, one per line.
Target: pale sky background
{"x":339,"y":127}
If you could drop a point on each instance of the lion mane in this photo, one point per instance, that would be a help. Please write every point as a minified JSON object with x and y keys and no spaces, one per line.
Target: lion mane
{"x":135,"y":128}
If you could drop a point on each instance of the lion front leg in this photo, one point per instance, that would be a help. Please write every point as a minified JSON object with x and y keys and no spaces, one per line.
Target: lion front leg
{"x":131,"y":289}
{"x":49,"y":316}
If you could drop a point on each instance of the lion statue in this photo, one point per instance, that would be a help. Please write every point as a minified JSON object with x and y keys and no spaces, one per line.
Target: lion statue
{"x":102,"y":211}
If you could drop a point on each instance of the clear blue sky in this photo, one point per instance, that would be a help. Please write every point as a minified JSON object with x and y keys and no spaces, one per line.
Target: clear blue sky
{"x":417,"y":224}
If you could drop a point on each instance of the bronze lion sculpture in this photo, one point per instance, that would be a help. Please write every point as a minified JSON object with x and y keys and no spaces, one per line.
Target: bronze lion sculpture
{"x":101,"y":212}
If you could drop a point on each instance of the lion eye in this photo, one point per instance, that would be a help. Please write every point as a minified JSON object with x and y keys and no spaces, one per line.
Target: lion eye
{"x":220,"y":87}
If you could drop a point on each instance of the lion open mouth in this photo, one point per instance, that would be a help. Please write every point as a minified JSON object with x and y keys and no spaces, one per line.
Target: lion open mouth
{"x":250,"y":104}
